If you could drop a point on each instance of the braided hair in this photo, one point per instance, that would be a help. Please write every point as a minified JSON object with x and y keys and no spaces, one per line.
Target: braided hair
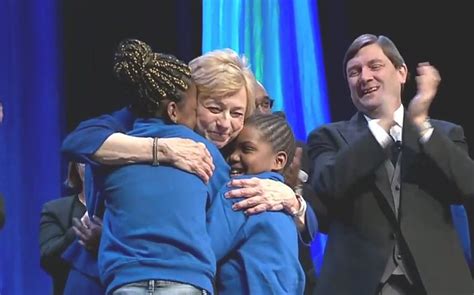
{"x":155,"y":76}
{"x":275,"y":129}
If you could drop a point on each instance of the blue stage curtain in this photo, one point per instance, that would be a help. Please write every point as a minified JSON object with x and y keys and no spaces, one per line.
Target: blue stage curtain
{"x":281,"y":39}
{"x":30,"y":164}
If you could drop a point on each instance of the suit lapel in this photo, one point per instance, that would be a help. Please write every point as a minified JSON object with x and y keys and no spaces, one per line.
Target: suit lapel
{"x":410,"y":146}
{"x":356,"y":128}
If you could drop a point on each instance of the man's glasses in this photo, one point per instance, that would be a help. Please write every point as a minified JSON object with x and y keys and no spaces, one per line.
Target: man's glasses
{"x":265,"y":103}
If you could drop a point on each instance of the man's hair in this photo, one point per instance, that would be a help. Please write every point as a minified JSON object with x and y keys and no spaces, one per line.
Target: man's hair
{"x":155,"y":76}
{"x":275,"y":130}
{"x":222,"y":73}
{"x":388,"y":48}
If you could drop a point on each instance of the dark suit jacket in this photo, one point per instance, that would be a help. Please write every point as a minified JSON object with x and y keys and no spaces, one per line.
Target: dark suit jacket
{"x":2,"y":212}
{"x":305,"y":255}
{"x":350,"y":178}
{"x":56,"y":234}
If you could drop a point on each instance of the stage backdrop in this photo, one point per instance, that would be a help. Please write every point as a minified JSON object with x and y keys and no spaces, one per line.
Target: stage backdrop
{"x":281,"y":39}
{"x":30,"y":88}
{"x":56,"y":70}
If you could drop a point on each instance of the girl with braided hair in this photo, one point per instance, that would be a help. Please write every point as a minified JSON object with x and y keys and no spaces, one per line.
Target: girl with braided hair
{"x":154,"y":232}
{"x":257,"y":254}
{"x":154,"y":229}
{"x":163,"y":83}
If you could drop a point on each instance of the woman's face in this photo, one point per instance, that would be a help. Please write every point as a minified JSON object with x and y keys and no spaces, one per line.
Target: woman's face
{"x":220,"y":119}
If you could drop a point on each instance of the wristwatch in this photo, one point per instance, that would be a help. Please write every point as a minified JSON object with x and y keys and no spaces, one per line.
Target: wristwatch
{"x":425,"y":126}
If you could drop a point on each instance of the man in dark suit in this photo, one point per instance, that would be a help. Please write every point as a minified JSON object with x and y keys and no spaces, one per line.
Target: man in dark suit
{"x":388,"y":177}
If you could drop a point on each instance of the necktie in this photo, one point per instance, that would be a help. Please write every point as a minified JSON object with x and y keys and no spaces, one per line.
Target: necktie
{"x":395,"y":133}
{"x":395,"y":151}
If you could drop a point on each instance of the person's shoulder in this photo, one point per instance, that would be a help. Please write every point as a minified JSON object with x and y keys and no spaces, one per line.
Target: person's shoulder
{"x":332,"y":126}
{"x":264,"y":175}
{"x":447,"y":128}
{"x":58,"y":203}
{"x":125,"y":111}
{"x":444,"y":125}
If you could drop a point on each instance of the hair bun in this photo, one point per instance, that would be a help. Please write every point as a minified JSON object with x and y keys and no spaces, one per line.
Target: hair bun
{"x":130,"y":60}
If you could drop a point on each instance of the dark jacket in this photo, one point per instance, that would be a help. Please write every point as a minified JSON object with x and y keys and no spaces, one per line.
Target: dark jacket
{"x":56,"y":234}
{"x":350,"y":178}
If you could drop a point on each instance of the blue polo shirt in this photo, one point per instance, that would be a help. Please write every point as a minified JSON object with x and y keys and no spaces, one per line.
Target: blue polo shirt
{"x":154,"y":224}
{"x":256,"y":254}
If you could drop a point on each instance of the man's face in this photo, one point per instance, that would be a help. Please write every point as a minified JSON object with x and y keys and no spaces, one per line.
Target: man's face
{"x":374,"y":81}
{"x":263,"y":103}
{"x":220,"y":119}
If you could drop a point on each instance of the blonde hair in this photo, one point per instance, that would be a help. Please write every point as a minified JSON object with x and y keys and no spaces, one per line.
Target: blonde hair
{"x":222,"y":73}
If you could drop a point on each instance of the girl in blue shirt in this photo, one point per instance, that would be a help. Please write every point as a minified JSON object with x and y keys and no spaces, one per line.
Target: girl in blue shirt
{"x":257,"y":254}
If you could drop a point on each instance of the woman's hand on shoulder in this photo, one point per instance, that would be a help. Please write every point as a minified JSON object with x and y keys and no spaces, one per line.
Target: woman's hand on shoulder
{"x":187,"y":155}
{"x":262,"y":195}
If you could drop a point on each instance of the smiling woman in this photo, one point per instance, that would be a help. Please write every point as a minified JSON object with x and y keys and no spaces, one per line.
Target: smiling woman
{"x":226,"y":94}
{"x":221,"y":119}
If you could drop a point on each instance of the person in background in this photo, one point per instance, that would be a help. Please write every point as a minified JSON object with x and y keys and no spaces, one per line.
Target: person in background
{"x":81,"y":255}
{"x":56,"y":231}
{"x":263,"y":102}
{"x":388,"y":177}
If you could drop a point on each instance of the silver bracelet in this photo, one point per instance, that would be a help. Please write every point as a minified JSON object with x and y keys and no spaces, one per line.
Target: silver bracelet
{"x":155,"y":152}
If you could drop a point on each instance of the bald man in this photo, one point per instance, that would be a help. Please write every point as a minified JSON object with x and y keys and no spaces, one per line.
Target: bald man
{"x":263,"y":102}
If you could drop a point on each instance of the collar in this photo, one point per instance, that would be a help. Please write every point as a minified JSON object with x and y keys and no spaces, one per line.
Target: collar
{"x":397,"y":116}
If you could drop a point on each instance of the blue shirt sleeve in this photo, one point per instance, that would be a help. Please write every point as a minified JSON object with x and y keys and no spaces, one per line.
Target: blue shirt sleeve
{"x":87,"y":138}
